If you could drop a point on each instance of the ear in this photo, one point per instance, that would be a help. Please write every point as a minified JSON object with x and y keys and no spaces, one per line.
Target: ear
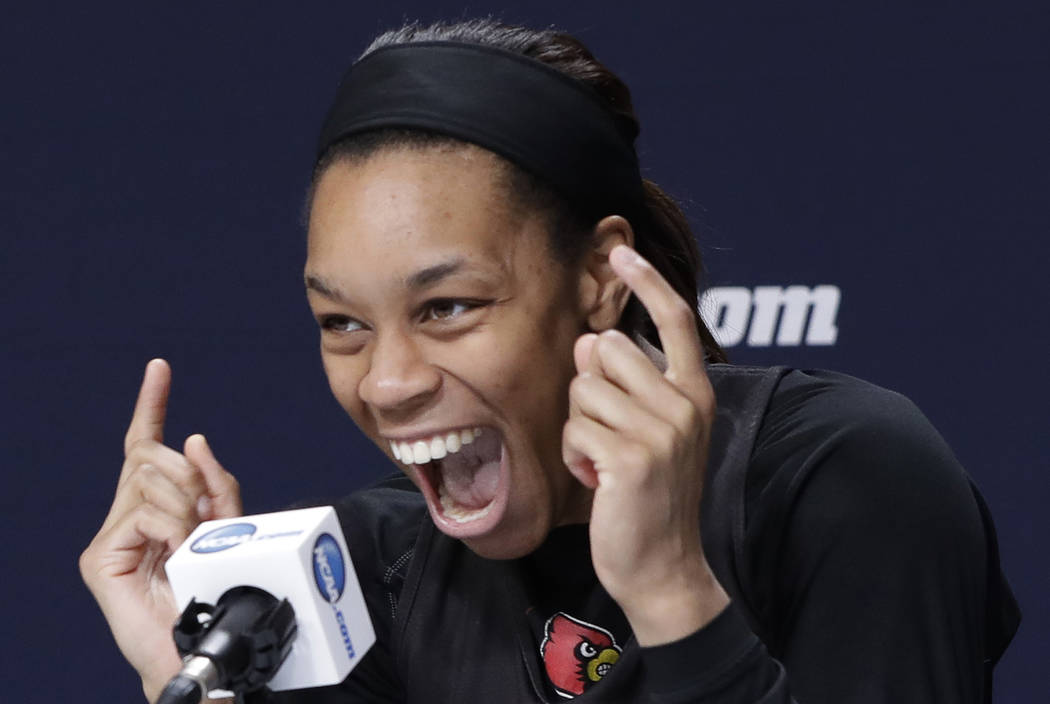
{"x":603,"y":294}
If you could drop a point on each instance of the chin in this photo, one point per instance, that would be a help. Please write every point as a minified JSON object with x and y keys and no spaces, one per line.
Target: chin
{"x":505,"y":543}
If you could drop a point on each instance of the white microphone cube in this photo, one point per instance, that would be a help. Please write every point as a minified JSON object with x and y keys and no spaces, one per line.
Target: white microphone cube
{"x":297,"y":555}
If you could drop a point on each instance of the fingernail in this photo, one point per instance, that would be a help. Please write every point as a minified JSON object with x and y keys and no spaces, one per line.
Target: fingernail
{"x":625,"y":256}
{"x":203,"y":441}
{"x":204,"y":508}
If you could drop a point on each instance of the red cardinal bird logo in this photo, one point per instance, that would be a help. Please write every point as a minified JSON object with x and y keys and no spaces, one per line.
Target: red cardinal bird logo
{"x":576,"y":654}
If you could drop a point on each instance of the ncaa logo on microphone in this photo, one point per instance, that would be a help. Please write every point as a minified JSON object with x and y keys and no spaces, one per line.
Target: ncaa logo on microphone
{"x":329,"y":570}
{"x":224,"y":538}
{"x":330,"y":577}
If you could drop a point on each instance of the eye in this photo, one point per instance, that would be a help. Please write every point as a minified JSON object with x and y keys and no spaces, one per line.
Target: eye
{"x":448,"y":308}
{"x":339,"y":323}
{"x":586,"y":650}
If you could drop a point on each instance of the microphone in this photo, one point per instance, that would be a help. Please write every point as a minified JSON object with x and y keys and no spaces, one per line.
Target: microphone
{"x":266,"y":599}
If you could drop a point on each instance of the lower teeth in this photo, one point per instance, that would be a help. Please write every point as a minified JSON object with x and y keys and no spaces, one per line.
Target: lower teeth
{"x":457,"y":514}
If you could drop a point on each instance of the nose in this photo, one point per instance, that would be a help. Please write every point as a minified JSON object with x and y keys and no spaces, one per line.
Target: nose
{"x":399,"y":378}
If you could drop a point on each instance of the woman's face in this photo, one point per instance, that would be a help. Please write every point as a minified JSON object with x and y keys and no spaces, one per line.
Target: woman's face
{"x":444,"y":314}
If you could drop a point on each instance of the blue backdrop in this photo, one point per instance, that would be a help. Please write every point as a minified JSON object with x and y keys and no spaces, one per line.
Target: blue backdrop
{"x":890,"y":164}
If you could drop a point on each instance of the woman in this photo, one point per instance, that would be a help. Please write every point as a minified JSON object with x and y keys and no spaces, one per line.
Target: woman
{"x":509,"y":311}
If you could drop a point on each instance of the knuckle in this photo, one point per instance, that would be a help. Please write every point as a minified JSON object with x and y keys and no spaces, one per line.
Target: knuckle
{"x":148,"y":492}
{"x":143,"y":475}
{"x":177,"y":505}
{"x":144,"y":510}
{"x":685,"y":413}
{"x":666,"y":439}
{"x":186,"y":477}
{"x":568,"y":432}
{"x":573,"y":438}
{"x":576,"y":385}
{"x":86,"y":562}
{"x":163,"y":525}
{"x":581,"y":385}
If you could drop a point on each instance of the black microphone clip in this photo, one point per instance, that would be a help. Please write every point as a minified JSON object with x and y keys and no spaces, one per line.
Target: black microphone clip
{"x":238,"y":644}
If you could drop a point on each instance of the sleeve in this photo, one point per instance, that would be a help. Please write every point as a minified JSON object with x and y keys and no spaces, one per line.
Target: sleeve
{"x":736,"y":667}
{"x":866,"y":571}
{"x":380,"y":525}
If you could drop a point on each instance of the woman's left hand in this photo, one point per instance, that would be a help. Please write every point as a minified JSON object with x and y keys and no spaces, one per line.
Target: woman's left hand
{"x":639,"y":438}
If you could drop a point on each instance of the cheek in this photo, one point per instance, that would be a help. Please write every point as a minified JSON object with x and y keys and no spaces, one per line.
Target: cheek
{"x":344,"y":377}
{"x":524,"y":366}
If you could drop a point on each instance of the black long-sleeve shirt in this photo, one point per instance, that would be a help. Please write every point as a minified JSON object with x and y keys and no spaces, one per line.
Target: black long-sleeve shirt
{"x":861,"y":563}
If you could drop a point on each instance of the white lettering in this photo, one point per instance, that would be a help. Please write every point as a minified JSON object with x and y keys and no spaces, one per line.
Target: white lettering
{"x":726,"y":310}
{"x":344,"y":632}
{"x":324,"y":568}
{"x":222,"y":541}
{"x":786,"y":314}
{"x":326,"y":574}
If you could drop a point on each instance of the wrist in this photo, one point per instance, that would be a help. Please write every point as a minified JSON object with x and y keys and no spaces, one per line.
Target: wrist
{"x":677,"y":607}
{"x":154,"y":684}
{"x":152,"y":690}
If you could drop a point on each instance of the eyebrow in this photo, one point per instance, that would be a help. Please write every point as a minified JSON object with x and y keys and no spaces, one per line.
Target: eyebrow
{"x":419,"y":280}
{"x":316,"y":283}
{"x":433,"y":274}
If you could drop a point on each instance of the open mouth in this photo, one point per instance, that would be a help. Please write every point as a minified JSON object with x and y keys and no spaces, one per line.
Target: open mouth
{"x":462,"y":473}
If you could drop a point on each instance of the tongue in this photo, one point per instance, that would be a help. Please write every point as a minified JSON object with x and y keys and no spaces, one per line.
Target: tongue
{"x":471,"y":476}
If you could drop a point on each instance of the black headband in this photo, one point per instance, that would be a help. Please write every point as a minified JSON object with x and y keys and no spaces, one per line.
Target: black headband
{"x":515,"y":106}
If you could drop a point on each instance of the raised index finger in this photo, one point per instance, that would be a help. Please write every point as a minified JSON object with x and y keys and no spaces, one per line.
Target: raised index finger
{"x":147,"y":423}
{"x":674,"y":319}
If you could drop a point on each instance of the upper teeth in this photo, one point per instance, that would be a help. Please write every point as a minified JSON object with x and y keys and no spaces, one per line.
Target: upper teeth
{"x":434,"y":448}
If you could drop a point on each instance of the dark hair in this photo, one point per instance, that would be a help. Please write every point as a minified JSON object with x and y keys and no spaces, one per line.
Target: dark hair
{"x":662,"y":235}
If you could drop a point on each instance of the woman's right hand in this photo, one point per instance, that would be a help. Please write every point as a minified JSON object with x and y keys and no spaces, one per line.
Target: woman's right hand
{"x":161,"y":497}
